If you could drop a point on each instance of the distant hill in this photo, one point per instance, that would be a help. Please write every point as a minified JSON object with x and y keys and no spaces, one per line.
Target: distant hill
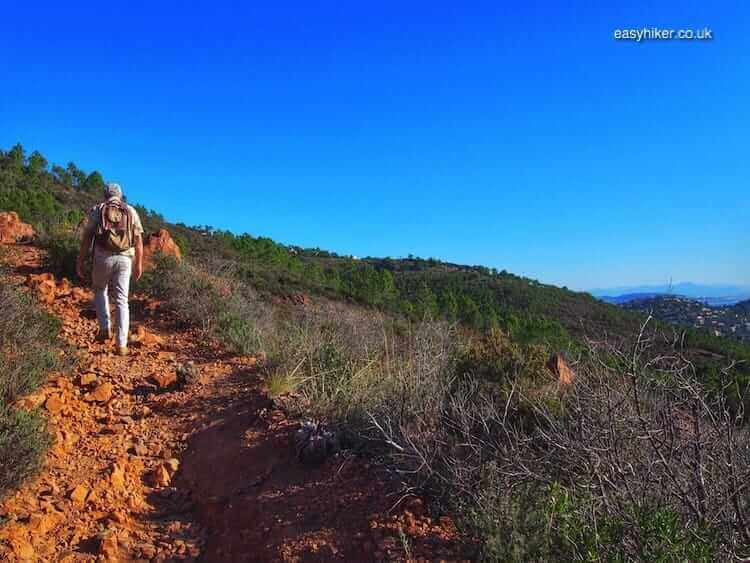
{"x":628,"y":297}
{"x":728,"y":321}
{"x":714,"y":295}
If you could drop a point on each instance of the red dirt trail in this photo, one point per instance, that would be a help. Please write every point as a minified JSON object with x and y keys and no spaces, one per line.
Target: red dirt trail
{"x":143,"y":469}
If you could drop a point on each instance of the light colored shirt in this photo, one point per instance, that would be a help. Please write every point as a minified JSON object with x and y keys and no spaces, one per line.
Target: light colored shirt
{"x":92,"y":221}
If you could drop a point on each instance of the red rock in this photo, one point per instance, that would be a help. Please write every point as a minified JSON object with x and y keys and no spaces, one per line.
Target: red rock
{"x":46,"y":291}
{"x":160,"y":476}
{"x":32,"y":401}
{"x":117,"y":477}
{"x":299,"y":299}
{"x":165,"y":380}
{"x":23,"y":549}
{"x":101,"y":394}
{"x":109,"y":547}
{"x":560,"y":369}
{"x":54,"y":403}
{"x":80,"y":294}
{"x":87,"y":378}
{"x":12,"y":229}
{"x":63,"y":288}
{"x":35,"y":279}
{"x":145,"y":338}
{"x":160,"y":242}
{"x":43,"y":523}
{"x":79,"y":495}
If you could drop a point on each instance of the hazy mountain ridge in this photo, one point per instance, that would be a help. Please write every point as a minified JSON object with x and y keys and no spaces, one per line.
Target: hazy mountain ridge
{"x":715,"y":295}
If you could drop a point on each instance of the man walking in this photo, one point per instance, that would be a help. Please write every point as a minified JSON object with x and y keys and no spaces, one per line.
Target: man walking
{"x":114,"y":231}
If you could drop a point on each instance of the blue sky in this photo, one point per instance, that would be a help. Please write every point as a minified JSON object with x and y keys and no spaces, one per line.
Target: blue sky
{"x":518,"y":135}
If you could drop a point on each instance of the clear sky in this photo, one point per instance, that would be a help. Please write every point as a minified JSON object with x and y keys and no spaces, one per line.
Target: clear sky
{"x":517,"y":135}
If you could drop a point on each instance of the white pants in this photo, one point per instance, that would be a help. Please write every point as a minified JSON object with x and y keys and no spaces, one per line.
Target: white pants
{"x":112,"y":272}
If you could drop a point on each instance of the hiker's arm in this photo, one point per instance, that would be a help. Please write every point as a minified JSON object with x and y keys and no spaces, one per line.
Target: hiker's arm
{"x":138,"y":265}
{"x":83,"y":252}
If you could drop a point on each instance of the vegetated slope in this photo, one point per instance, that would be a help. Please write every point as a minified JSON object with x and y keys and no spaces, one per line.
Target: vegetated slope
{"x":730,"y":321}
{"x":463,"y":416}
{"x":176,"y":452}
{"x":54,"y":200}
{"x":475,"y":295}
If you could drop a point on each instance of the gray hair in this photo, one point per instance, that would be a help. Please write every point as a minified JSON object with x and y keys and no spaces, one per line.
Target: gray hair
{"x":113,"y":190}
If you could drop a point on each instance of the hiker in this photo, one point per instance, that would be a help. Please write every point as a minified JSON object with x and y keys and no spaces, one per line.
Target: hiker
{"x":114,"y":231}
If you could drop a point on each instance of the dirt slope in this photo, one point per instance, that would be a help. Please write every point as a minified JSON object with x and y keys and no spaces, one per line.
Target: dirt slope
{"x":146,"y":468}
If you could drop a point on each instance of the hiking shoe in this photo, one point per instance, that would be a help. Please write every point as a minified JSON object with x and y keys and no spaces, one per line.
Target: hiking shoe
{"x":122,"y":351}
{"x":103,"y":335}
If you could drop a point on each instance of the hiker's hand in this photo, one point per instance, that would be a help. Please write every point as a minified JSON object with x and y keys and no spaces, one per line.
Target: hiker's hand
{"x":137,"y":271}
{"x":80,"y":269}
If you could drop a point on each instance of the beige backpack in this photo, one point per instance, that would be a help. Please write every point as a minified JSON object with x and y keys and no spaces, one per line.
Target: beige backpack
{"x":115,"y":230}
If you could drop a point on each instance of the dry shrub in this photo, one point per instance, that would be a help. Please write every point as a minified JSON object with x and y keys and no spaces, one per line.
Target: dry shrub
{"x":209,"y":296}
{"x":635,"y":461}
{"x":28,"y":344}
{"x":28,"y":350}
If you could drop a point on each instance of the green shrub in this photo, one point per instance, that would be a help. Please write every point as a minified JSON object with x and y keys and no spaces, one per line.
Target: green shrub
{"x":28,"y":345}
{"x":239,"y":334}
{"x":23,"y":441}
{"x":62,"y":252}
{"x":28,"y":351}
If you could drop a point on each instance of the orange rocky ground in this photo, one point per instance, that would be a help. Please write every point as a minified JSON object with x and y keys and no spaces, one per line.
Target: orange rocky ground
{"x":150,"y":464}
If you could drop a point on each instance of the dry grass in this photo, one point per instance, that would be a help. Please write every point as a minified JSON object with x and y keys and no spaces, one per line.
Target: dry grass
{"x":635,"y":460}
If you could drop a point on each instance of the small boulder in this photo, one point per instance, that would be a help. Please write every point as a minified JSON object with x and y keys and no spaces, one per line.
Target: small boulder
{"x":44,"y":523}
{"x":79,"y":495}
{"x":164,"y":380}
{"x":63,"y":288}
{"x":12,"y":229}
{"x":32,"y":401}
{"x":145,"y":338}
{"x":23,"y":549}
{"x":160,"y":242}
{"x":54,"y":403}
{"x":101,"y":394}
{"x":80,"y":294}
{"x":117,"y":477}
{"x":109,"y":546}
{"x":34,"y":280}
{"x":87,"y":379}
{"x":187,"y":373}
{"x":160,"y":476}
{"x":560,"y":369}
{"x":46,"y":291}
{"x":299,"y":299}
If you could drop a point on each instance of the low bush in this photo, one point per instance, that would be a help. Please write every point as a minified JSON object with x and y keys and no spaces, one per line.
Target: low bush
{"x":28,"y":351}
{"x":28,"y":344}
{"x":635,"y":461}
{"x":23,"y":441}
{"x":221,"y":307}
{"x":62,"y":248}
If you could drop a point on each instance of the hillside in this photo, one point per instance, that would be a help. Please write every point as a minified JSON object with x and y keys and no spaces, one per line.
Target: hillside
{"x":291,"y":404}
{"x":729,"y":321}
{"x":148,"y":464}
{"x":54,"y":199}
{"x":475,"y":295}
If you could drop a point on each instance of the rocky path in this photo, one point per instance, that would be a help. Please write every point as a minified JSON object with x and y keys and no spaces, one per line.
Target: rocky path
{"x":176,"y":453}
